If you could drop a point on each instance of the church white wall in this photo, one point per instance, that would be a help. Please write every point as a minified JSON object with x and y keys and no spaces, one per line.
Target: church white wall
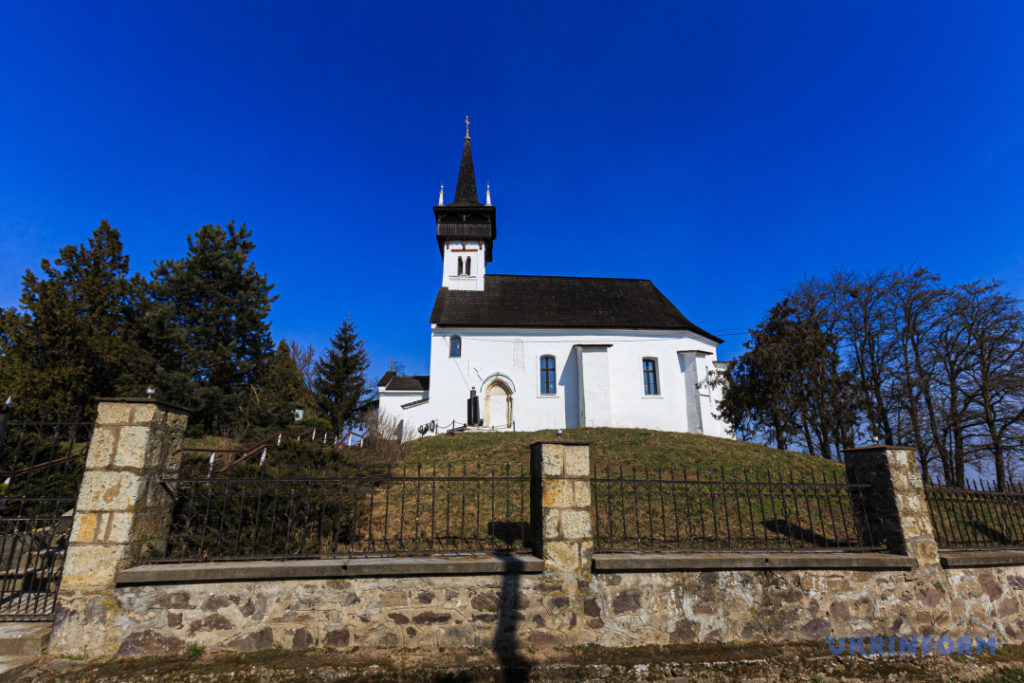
{"x":594,"y":389}
{"x":391,"y":402}
{"x":513,"y":356}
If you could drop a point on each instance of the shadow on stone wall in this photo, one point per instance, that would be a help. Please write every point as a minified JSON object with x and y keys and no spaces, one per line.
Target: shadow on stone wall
{"x":514,"y":666}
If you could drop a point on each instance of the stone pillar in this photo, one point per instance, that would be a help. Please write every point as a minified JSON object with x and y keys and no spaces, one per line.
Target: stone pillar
{"x":894,"y":507}
{"x":561,"y":506}
{"x":123,"y":513}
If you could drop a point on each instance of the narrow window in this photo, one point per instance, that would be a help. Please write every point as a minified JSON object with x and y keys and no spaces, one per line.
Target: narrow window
{"x":547,"y":375}
{"x":650,"y":376}
{"x":455,"y":347}
{"x":460,"y":265}
{"x":467,"y":265}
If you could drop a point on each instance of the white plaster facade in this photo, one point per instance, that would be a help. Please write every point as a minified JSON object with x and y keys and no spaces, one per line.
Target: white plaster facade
{"x":599,"y":381}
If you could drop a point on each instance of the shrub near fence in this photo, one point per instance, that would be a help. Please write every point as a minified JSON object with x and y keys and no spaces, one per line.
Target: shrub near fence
{"x":977,"y":516}
{"x":326,"y":506}
{"x":719,"y":510}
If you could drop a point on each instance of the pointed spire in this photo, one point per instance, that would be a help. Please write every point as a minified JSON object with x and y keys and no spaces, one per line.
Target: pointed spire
{"x":487,"y":200}
{"x":440,"y":197}
{"x":465,"y":187}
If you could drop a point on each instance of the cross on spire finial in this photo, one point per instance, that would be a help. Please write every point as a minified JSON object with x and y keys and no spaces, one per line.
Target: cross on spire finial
{"x":467,"y":126}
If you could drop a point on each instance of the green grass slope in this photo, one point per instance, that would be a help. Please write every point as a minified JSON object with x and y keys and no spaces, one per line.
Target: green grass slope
{"x":626,"y":448}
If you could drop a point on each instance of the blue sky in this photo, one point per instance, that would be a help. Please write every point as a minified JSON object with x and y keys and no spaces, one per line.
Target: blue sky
{"x":723,"y":150}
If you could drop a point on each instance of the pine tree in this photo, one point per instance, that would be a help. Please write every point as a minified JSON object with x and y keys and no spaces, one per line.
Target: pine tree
{"x":785,"y":384}
{"x":341,"y":377}
{"x":208,"y":326}
{"x":75,"y":337}
{"x":280,"y":391}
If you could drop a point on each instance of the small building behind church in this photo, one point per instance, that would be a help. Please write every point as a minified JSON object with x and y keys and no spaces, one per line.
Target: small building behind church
{"x":518,"y":352}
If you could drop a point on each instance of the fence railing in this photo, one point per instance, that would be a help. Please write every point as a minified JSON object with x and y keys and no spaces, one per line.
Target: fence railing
{"x":719,"y":510}
{"x":259,"y":512}
{"x":977,"y":515}
{"x":41,"y":465}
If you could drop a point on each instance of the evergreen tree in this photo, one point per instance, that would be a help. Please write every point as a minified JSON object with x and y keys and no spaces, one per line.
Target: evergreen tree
{"x":786,"y":385}
{"x":75,"y":337}
{"x":280,"y":391}
{"x":341,"y":377}
{"x":208,"y":326}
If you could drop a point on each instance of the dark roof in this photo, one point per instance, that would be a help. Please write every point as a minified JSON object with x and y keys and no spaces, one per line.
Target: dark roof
{"x":465,"y":187}
{"x":392,"y":382}
{"x":561,"y":302}
{"x":417,"y":402}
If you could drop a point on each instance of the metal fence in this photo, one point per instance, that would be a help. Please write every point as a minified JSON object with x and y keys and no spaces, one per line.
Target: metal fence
{"x":41,"y":465}
{"x":718,"y":510}
{"x":302,"y":511}
{"x":977,"y":515}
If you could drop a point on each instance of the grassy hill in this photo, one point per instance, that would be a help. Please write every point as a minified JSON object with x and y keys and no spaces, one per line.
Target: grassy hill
{"x":627,"y":448}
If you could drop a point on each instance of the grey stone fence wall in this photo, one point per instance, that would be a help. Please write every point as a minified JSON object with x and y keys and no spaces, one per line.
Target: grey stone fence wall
{"x":564,"y":594}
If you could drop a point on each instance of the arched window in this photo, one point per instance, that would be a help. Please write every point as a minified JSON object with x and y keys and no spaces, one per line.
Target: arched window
{"x":460,"y":265}
{"x":650,"y":376}
{"x":455,"y":347}
{"x":547,"y":375}
{"x":467,"y":266}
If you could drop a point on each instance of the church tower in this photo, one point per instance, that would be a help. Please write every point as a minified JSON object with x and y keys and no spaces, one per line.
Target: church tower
{"x":465,"y":229}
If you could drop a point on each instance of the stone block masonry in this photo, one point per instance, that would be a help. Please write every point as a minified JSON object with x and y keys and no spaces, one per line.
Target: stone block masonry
{"x":897,"y":512}
{"x":566,"y":596}
{"x":547,"y":610}
{"x":562,"y":515}
{"x":123,"y":513}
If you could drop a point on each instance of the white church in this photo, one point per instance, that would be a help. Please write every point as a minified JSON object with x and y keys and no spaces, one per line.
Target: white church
{"x":519,"y":352}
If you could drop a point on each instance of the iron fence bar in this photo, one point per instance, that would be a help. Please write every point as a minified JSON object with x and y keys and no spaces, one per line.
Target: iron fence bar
{"x":355,"y":509}
{"x":1013,"y":500}
{"x":831,"y":513}
{"x":807,"y":506}
{"x":41,"y":461}
{"x":947,"y":536}
{"x":476,"y":528}
{"x":968,"y":498}
{"x":675,"y":507}
{"x":661,"y":497}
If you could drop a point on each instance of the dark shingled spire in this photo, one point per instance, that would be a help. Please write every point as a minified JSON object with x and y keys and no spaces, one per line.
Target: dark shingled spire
{"x":466,"y":218}
{"x":465,"y":188}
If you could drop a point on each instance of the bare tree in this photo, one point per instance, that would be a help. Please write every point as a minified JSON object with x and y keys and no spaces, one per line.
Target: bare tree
{"x":895,"y":355}
{"x":385,"y":442}
{"x":994,"y":328}
{"x":865,"y":321}
{"x":305,"y":361}
{"x":915,"y":301}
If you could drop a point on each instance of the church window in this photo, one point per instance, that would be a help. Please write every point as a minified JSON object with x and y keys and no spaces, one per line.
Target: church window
{"x":460,"y":265}
{"x":547,"y":375}
{"x":455,"y":347}
{"x":467,"y":265}
{"x":650,"y":376}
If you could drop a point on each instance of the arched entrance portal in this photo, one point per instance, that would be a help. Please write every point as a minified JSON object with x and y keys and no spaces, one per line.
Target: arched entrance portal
{"x":498,"y":405}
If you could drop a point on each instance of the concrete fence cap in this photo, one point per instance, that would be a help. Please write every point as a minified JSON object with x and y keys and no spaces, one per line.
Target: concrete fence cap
{"x":148,"y":401}
{"x":878,"y":446}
